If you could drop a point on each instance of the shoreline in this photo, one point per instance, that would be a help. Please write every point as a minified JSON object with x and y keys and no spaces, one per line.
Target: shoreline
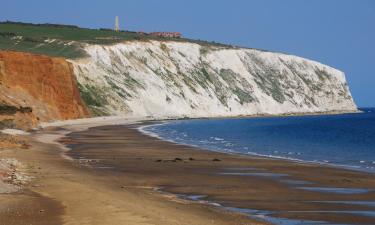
{"x":177,"y":190}
{"x":57,"y":195}
{"x":261,"y":115}
{"x":263,"y":215}
{"x":253,"y":154}
{"x":137,"y":175}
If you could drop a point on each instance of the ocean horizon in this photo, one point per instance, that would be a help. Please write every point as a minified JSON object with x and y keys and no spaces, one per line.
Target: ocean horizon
{"x":342,"y":140}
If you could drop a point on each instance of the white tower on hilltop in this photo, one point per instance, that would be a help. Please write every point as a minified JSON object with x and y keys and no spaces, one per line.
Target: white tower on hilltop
{"x":117,"y":24}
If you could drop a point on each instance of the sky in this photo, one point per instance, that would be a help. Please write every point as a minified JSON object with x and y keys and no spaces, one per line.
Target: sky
{"x":339,"y":33}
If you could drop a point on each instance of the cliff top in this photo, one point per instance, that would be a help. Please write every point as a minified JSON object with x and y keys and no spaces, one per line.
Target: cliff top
{"x":66,"y":40}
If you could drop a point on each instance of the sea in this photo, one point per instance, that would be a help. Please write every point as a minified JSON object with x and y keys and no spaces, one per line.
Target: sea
{"x":345,"y":140}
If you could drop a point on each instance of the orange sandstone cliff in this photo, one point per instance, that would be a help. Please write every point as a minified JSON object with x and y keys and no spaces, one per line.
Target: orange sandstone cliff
{"x":38,"y":87}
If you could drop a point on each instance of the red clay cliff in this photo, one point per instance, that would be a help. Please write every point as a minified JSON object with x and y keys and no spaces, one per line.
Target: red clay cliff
{"x":45,"y":84}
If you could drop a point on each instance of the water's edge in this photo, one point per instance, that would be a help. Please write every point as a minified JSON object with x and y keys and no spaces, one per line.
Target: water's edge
{"x":143,"y":129}
{"x":261,"y":215}
{"x":255,"y":214}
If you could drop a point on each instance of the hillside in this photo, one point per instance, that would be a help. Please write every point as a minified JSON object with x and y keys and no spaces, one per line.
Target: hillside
{"x":127,"y":73}
{"x":67,"y":40}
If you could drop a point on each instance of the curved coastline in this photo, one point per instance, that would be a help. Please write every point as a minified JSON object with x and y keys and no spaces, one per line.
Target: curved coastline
{"x":165,"y":158}
{"x":135,"y":170}
{"x":143,"y":130}
{"x":71,"y":184}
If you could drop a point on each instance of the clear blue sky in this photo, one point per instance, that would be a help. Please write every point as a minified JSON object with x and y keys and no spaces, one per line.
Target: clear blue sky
{"x":340,"y":33}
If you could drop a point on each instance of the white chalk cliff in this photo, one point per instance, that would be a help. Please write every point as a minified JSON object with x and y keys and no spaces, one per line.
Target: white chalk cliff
{"x":181,"y":79}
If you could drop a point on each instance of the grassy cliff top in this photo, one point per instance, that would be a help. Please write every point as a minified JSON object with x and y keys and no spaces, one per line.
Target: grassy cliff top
{"x":66,"y":40}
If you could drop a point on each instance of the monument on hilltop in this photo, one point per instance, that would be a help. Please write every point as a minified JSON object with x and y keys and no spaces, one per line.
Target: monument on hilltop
{"x":117,"y":24}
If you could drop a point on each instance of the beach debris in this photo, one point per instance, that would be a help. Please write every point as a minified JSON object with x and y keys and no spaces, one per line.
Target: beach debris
{"x":11,"y":175}
{"x":87,"y":162}
{"x":12,"y":141}
{"x":191,"y":159}
{"x":170,"y":160}
{"x":216,"y":160}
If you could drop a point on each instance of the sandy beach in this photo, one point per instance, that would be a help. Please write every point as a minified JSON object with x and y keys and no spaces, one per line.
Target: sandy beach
{"x":114,"y":174}
{"x":63,"y":191}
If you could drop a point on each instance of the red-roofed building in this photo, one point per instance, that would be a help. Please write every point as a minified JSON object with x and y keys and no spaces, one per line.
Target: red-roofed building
{"x":167,"y":34}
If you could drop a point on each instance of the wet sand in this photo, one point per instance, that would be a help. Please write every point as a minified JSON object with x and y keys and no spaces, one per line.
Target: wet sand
{"x":121,"y":176}
{"x":282,"y":187}
{"x":67,"y":192}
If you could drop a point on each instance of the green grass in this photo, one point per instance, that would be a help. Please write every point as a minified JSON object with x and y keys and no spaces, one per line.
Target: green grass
{"x":233,"y":80}
{"x":68,"y":33}
{"x":34,"y":38}
{"x":40,"y":47}
{"x":322,"y":74}
{"x":89,"y":95}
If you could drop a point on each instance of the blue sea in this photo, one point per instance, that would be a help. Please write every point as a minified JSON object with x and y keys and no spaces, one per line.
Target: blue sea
{"x":346,"y":140}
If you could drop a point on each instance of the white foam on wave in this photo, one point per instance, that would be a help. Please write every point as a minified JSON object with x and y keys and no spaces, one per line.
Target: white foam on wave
{"x":148,"y":130}
{"x":145,"y":129}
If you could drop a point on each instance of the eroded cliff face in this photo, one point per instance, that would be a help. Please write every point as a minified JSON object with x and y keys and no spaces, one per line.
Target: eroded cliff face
{"x":38,"y":88}
{"x":166,"y":80}
{"x":176,"y":79}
